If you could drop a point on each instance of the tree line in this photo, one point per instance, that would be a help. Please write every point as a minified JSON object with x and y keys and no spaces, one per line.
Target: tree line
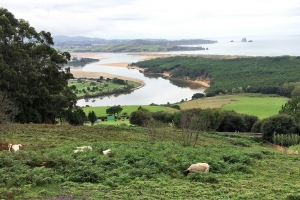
{"x":282,"y":129}
{"x":248,"y":74}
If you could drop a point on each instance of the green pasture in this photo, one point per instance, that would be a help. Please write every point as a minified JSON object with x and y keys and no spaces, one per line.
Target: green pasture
{"x":101,"y":110}
{"x":121,"y":122}
{"x":262,"y":107}
{"x":144,"y":164}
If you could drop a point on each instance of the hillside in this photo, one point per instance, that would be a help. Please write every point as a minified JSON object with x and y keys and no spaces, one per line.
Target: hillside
{"x":143,"y":164}
{"x":229,"y":75}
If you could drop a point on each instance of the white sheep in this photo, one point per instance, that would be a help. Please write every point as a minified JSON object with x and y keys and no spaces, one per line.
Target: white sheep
{"x":15,"y":147}
{"x":198,"y":167}
{"x":105,"y":152}
{"x":82,"y":148}
{"x":85,"y":147}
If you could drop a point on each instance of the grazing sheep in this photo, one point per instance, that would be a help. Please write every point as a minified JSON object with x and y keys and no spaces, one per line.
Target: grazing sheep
{"x":15,"y":147}
{"x":105,"y":152}
{"x":198,"y":167}
{"x":82,"y":148}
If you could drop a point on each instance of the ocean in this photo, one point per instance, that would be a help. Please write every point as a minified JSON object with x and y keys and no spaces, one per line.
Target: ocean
{"x":261,"y":46}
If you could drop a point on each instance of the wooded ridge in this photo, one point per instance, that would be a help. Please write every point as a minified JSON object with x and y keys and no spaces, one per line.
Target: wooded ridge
{"x":229,"y":74}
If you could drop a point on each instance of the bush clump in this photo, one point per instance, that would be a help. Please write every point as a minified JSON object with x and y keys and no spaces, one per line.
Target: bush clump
{"x":282,"y":123}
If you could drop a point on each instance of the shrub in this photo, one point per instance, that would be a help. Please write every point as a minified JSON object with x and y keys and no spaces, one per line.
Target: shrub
{"x":250,"y":120}
{"x":138,"y":117}
{"x":163,"y":116}
{"x":284,"y":92}
{"x":197,"y":95}
{"x":233,"y":122}
{"x":256,"y":127}
{"x":269,"y":90}
{"x":210,"y":94}
{"x":214,"y":116}
{"x":282,"y":123}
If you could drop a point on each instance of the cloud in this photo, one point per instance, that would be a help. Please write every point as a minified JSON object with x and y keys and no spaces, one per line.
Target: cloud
{"x":159,"y":18}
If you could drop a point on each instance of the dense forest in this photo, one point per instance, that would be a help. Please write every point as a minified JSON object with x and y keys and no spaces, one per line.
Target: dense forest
{"x":250,"y":74}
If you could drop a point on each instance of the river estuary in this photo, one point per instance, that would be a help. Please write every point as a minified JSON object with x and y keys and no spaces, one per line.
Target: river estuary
{"x":157,"y":89}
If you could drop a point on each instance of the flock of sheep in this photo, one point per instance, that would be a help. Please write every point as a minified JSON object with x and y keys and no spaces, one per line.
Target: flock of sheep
{"x":198,"y":167}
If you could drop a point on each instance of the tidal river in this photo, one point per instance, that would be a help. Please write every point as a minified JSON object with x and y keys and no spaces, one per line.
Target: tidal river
{"x":157,"y":89}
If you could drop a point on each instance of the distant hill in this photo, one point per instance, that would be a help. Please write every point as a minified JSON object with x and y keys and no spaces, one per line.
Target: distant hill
{"x":171,"y":42}
{"x":62,"y":40}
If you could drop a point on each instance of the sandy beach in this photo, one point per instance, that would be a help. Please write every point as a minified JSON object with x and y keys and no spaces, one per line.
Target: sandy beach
{"x":78,"y":73}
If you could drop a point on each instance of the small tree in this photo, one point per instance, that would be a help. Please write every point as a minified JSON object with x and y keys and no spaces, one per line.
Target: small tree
{"x":92,"y":117}
{"x":114,"y":110}
{"x":76,"y":117}
{"x":139,"y":117}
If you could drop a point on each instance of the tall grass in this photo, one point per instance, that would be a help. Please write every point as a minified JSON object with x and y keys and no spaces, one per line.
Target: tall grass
{"x":286,"y":139}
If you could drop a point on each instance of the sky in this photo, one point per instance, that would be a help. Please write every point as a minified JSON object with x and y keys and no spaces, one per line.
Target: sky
{"x":160,"y":19}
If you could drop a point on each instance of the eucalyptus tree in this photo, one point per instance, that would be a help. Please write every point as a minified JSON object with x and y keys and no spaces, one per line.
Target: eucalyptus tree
{"x":32,"y":72}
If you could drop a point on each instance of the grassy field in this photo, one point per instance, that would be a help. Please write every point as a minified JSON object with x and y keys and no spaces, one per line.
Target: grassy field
{"x":142,"y":165}
{"x":102,"y":87}
{"x":101,"y":110}
{"x":122,"y":122}
{"x":260,"y":105}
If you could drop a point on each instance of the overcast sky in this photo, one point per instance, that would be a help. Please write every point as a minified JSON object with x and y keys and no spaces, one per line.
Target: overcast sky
{"x":168,"y":19}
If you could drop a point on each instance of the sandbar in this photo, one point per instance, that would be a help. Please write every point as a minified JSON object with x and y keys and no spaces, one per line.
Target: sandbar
{"x":89,"y":55}
{"x":122,"y":64}
{"x":81,"y":74}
